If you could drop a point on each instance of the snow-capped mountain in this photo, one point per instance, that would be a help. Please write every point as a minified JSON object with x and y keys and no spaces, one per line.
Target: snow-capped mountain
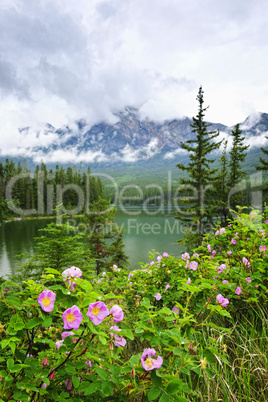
{"x":130,"y":139}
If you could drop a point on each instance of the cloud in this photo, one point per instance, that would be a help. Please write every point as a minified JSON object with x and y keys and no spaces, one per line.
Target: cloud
{"x":65,"y":60}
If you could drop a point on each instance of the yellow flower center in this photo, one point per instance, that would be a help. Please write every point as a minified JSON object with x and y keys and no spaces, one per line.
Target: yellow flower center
{"x":95,"y":310}
{"x":46,"y":301}
{"x":149,"y":362}
{"x":70,"y":317}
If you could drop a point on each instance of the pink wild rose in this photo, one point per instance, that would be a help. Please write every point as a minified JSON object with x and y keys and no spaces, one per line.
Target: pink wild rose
{"x":46,"y":300}
{"x":193,"y":265}
{"x":185,"y":256}
{"x":72,"y":318}
{"x":222,"y":301}
{"x":262,"y":249}
{"x":158,"y":296}
{"x":148,"y":363}
{"x":117,"y":313}
{"x":176,"y":310}
{"x":238,"y":291}
{"x":97,"y":312}
{"x":70,"y":274}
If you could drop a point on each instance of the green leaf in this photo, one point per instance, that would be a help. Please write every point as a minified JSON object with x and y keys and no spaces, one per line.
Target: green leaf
{"x":146,"y":303}
{"x":165,"y":310}
{"x":154,"y":393}
{"x":10,"y":363}
{"x":20,"y":325}
{"x":5,"y":342}
{"x":156,"y":381}
{"x":107,"y":388}
{"x":134,"y":360}
{"x":33,"y":322}
{"x":47,"y":322}
{"x":102,"y":339}
{"x":116,"y":370}
{"x":8,"y":283}
{"x":103,"y":373}
{"x":126,"y":369}
{"x":75,"y":381}
{"x":128,"y":333}
{"x":52,"y":271}
{"x":174,"y":387}
{"x":164,"y":398}
{"x":12,"y":347}
{"x":18,"y":367}
{"x":93,"y":387}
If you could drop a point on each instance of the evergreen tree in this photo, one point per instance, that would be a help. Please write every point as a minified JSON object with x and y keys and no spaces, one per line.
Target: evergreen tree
{"x":238,"y":155}
{"x":101,"y":235}
{"x":119,"y":257}
{"x":264,"y":168}
{"x":221,"y":187}
{"x":264,"y":163}
{"x":58,"y":248}
{"x":198,"y":206}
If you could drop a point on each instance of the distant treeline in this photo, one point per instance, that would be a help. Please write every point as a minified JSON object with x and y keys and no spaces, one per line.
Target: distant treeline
{"x":43,"y":189}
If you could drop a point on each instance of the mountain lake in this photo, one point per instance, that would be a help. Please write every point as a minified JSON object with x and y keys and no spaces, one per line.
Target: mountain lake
{"x":144,"y":231}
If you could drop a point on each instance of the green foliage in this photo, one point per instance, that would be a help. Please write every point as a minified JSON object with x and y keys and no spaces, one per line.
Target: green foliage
{"x":58,"y":248}
{"x":236,"y":174}
{"x":103,"y":237}
{"x":39,"y":193}
{"x":208,"y":351}
{"x":198,"y":206}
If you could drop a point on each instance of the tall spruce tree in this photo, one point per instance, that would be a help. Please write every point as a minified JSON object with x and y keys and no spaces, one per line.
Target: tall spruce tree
{"x":221,"y":186}
{"x":197,"y":206}
{"x":103,"y":236}
{"x":264,"y":163}
{"x":238,"y":155}
{"x":264,"y":168}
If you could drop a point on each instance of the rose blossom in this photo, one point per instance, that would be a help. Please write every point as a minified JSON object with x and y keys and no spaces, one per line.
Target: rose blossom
{"x":189,"y":281}
{"x":148,"y":363}
{"x":165,"y":255}
{"x":233,"y":241}
{"x":238,"y":291}
{"x":72,"y":318}
{"x":185,"y":256}
{"x":70,"y":274}
{"x":117,"y":313}
{"x":222,"y":301}
{"x":158,"y":296}
{"x":193,"y":265}
{"x":59,"y":343}
{"x":97,"y":312}
{"x":248,"y":279}
{"x":46,"y":300}
{"x":176,"y":310}
{"x":262,"y":248}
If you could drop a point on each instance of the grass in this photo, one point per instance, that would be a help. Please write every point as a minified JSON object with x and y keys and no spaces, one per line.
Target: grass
{"x":245,"y":377}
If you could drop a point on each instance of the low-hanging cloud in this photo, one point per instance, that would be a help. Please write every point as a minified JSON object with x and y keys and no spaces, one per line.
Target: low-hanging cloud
{"x":63,"y":60}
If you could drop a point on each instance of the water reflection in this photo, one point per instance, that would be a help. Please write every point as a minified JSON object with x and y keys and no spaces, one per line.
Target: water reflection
{"x":142,"y":233}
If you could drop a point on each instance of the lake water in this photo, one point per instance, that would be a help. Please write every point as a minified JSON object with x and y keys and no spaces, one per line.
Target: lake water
{"x":144,"y":231}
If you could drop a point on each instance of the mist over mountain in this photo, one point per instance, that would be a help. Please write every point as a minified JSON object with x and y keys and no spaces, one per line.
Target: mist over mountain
{"x":130,"y":139}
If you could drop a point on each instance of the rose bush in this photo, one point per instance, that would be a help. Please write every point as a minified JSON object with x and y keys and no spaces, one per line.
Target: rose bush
{"x":59,"y":341}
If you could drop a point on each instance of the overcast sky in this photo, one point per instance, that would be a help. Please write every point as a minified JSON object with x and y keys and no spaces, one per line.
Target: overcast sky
{"x":63,"y":60}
